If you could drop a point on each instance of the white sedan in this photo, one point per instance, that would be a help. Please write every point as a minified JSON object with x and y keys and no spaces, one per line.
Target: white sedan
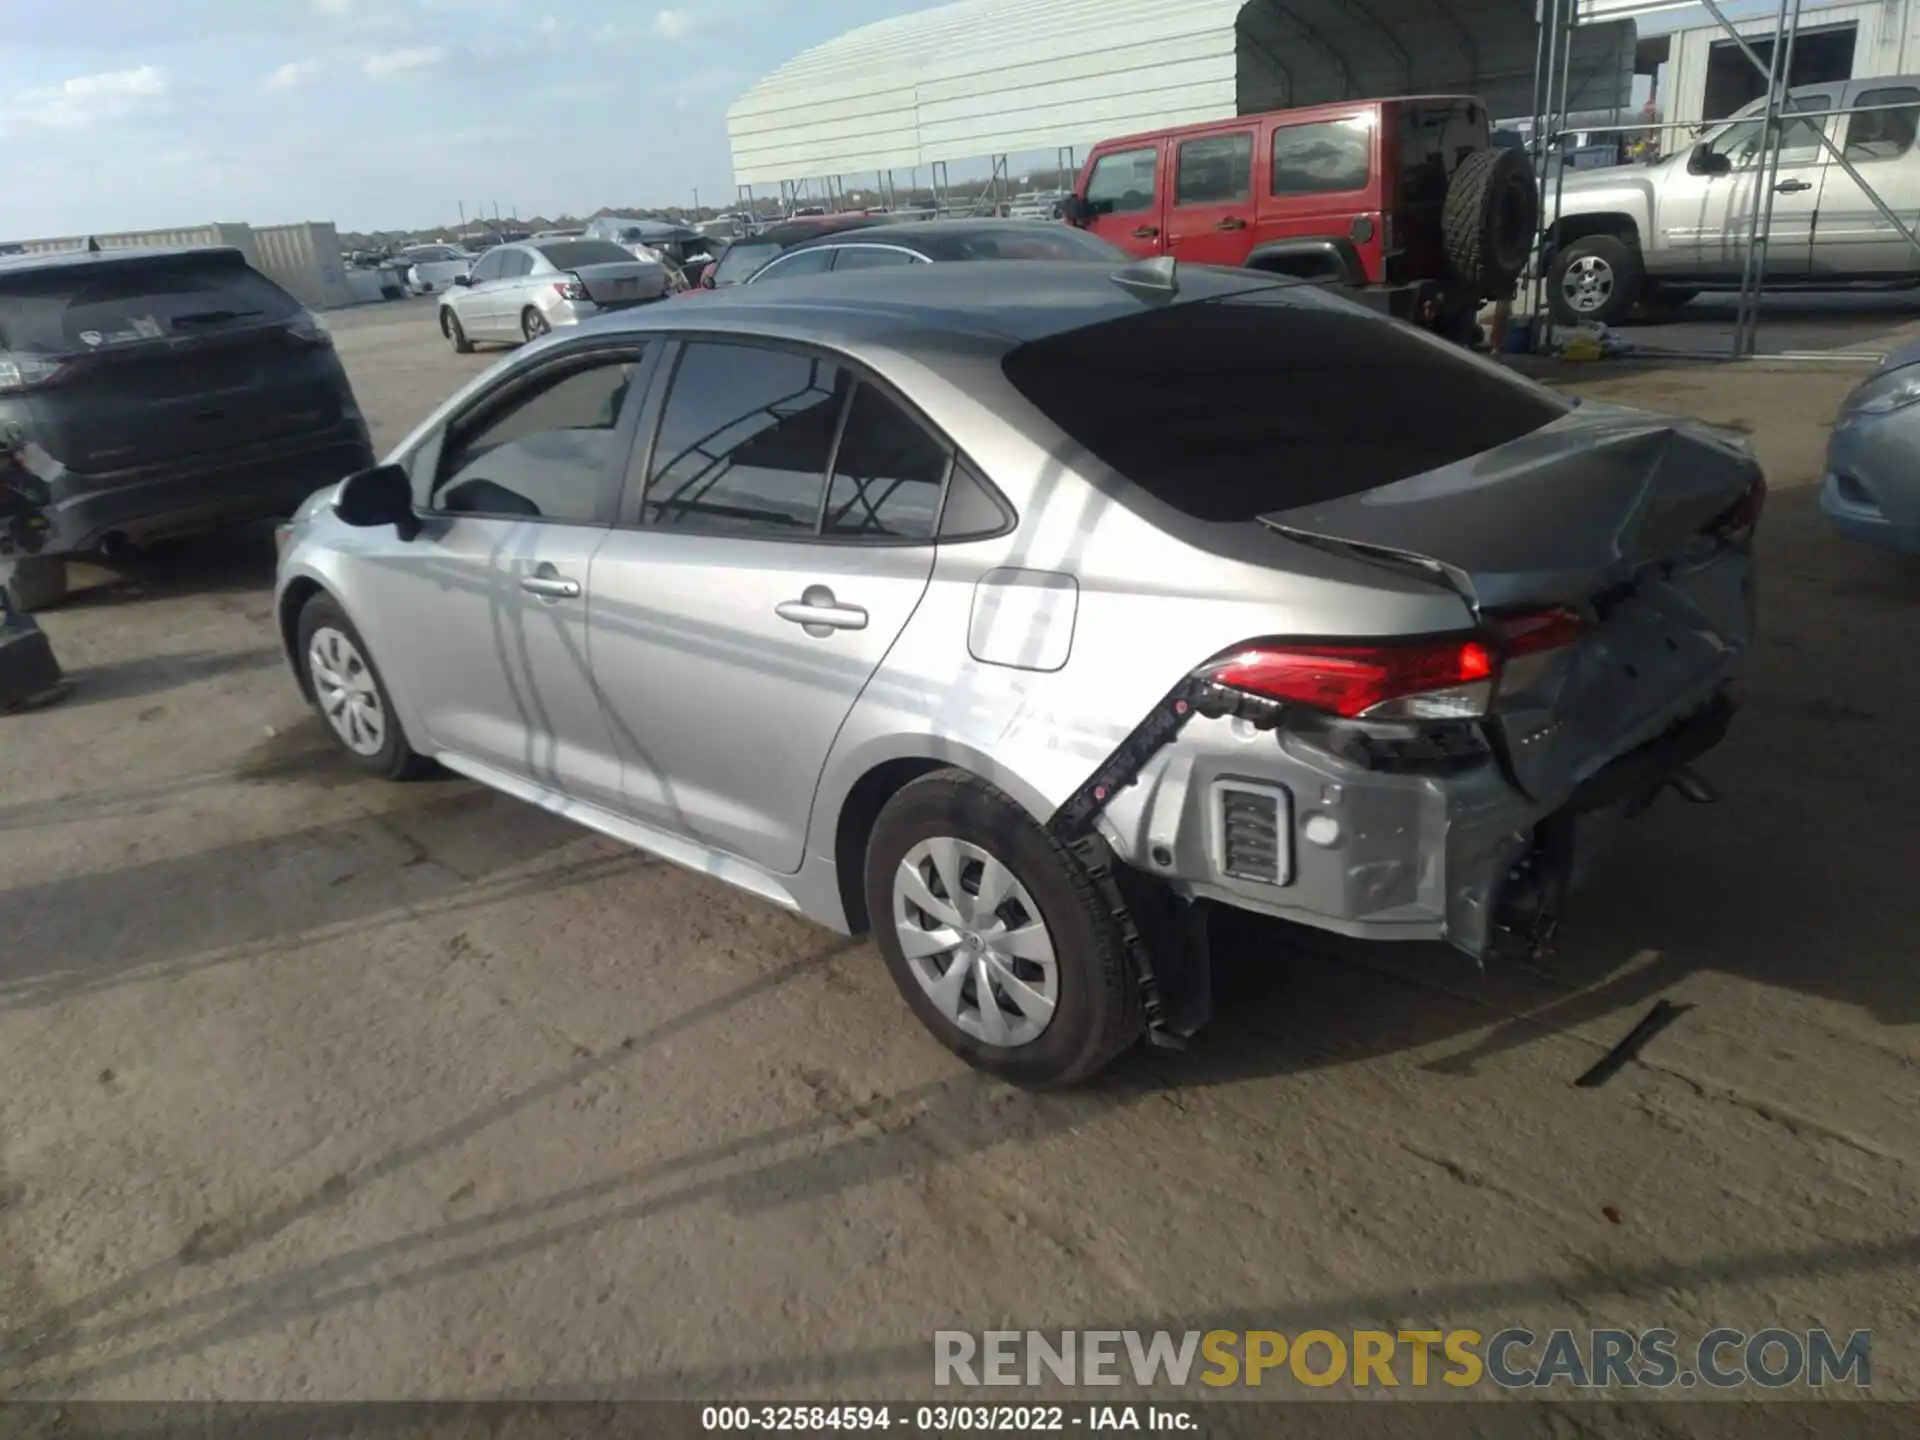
{"x":433,"y":268}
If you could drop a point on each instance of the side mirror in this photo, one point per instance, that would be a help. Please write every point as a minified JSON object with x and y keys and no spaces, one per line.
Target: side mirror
{"x":1705,"y":160}
{"x":463,"y":280}
{"x":706,"y":278}
{"x":1076,"y":210}
{"x":380,"y":496}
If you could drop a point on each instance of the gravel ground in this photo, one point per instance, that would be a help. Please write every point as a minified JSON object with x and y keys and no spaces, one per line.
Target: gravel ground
{"x":317,"y":1088}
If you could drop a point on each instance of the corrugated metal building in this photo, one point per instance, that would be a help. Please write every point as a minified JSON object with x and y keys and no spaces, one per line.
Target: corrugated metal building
{"x":996,"y":77}
{"x":1707,"y":78}
{"x":305,"y":259}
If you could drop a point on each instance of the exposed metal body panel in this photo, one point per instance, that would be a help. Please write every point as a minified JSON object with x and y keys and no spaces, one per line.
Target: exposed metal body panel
{"x":986,"y":77}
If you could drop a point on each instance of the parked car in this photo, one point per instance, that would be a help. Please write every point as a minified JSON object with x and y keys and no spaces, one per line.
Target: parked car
{"x":1660,"y":233}
{"x":1872,"y":488}
{"x":921,"y":242}
{"x":1036,"y":205}
{"x":739,"y":260}
{"x":1404,"y":203}
{"x":518,"y":293}
{"x":433,"y":268}
{"x":159,"y":393}
{"x":540,"y":236}
{"x":685,"y":251}
{"x":954,"y":601}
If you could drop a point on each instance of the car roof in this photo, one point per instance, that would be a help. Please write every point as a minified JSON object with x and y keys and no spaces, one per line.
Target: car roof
{"x":119,"y":254}
{"x":916,"y":307}
{"x":905,"y":232}
{"x":788,"y":233}
{"x":1299,"y":114}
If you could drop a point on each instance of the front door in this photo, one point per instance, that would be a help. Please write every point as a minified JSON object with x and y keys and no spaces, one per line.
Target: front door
{"x":1124,"y":190}
{"x":483,"y":616}
{"x":739,"y":616}
{"x":1852,"y":238}
{"x":508,"y":300}
{"x":1728,"y":215}
{"x":1210,"y":221}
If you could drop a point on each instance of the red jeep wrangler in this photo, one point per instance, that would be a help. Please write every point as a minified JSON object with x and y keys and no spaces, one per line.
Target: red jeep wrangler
{"x":1405,"y":202}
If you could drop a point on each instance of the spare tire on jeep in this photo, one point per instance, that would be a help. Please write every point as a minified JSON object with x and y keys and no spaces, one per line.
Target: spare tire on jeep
{"x":1491,"y":212}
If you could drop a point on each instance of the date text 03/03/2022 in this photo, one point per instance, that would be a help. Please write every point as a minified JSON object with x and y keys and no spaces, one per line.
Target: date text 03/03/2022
{"x":944,"y":1419}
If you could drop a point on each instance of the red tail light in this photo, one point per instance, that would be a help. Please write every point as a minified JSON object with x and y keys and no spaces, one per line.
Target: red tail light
{"x":571,"y":289}
{"x":1435,"y":678}
{"x":32,"y":372}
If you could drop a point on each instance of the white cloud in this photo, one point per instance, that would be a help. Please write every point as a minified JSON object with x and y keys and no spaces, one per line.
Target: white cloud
{"x":333,"y":7}
{"x":292,"y":75}
{"x":393,"y":64}
{"x":673,"y":24}
{"x":554,"y":25}
{"x":88,"y":100}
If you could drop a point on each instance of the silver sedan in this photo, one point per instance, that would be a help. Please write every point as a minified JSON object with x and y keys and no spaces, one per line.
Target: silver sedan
{"x":1022,"y":614}
{"x":517,"y":293}
{"x":1872,"y":488}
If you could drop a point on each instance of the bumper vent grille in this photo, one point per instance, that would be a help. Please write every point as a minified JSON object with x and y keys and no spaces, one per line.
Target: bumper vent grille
{"x":1253,"y":833}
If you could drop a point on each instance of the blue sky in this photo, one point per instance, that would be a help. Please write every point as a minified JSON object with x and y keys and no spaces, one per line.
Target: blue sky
{"x":137,"y":114}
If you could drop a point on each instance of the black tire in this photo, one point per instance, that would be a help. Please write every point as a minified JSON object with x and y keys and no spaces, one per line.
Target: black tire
{"x":34,"y":582}
{"x":1624,"y":274}
{"x":1096,"y":1014}
{"x":451,"y":328}
{"x":395,"y":759}
{"x":533,"y":325}
{"x":1491,"y":212}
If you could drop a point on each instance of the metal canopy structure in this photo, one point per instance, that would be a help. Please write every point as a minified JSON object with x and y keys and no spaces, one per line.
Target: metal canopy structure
{"x":990,"y":78}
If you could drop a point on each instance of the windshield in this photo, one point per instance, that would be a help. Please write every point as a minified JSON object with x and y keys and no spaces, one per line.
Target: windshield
{"x":93,"y":307}
{"x":1236,"y":408}
{"x":740,"y":261}
{"x":572,"y":254}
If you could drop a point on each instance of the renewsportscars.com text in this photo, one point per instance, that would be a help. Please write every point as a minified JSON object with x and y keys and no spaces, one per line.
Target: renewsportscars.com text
{"x":1511,"y":1359}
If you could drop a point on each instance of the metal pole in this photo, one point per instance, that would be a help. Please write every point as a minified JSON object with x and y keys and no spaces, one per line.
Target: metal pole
{"x":1546,"y":140}
{"x":1769,"y":145}
{"x":1549,"y":50}
{"x":1765,"y":233}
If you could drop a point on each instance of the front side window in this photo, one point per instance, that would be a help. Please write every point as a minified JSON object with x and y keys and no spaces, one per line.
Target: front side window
{"x":546,"y":454}
{"x":1123,"y":183}
{"x":887,"y":475}
{"x":744,"y":441}
{"x":1327,"y":157}
{"x":740,"y":260}
{"x":1216,"y":170}
{"x":1799,"y":136}
{"x":1875,"y":133}
{"x":487,"y":267}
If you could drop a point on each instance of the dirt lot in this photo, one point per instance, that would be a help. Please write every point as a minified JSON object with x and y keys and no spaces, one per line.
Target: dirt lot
{"x":312,"y":1087}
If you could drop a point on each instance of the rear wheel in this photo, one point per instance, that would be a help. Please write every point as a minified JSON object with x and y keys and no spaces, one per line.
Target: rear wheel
{"x":450,"y":327}
{"x":1596,"y":279}
{"x":533,"y":324}
{"x":1488,"y":220}
{"x":994,"y":934}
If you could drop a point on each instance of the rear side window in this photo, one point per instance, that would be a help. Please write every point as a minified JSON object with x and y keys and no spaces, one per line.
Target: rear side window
{"x":98,"y":307}
{"x":1328,"y":157}
{"x":1217,"y":170}
{"x":1122,"y":182}
{"x":1232,"y":409}
{"x":1875,"y":134}
{"x":740,"y":261}
{"x":887,"y":474}
{"x":869,"y":257}
{"x":812,"y":261}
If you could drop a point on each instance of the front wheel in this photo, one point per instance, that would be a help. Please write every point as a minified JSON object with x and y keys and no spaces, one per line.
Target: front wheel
{"x":456,"y":336}
{"x":1594,"y":280}
{"x":995,"y":936}
{"x":350,"y":695}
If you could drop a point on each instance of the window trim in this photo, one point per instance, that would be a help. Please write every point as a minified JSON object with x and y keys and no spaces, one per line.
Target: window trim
{"x":914,"y":257}
{"x":790,"y":253}
{"x":1252,"y":136}
{"x":632,"y":508}
{"x":424,"y":466}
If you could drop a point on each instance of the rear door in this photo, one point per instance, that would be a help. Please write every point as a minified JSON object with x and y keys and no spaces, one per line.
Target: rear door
{"x":1210,"y":221}
{"x":162,"y":358}
{"x":781,"y":540}
{"x":1319,"y":178}
{"x":1851,"y":236}
{"x":1125,"y":188}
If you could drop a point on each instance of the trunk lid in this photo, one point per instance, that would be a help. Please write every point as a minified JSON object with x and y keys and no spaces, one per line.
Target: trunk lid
{"x":622,"y":283}
{"x":1607,"y":512}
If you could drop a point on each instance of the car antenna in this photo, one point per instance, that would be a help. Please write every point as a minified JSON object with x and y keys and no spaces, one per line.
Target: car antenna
{"x":1157,"y":279}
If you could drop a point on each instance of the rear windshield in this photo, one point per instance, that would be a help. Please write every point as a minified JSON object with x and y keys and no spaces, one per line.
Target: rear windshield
{"x":97,"y":306}
{"x":1231,"y":409}
{"x":1435,"y":136}
{"x":740,"y":261}
{"x":572,"y":254}
{"x":1021,"y":242}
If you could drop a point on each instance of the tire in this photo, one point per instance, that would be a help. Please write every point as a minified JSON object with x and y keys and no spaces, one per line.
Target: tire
{"x":951,"y":816}
{"x":34,"y":582}
{"x":393,"y":758}
{"x":1605,"y":275}
{"x":1488,"y":221}
{"x":451,"y":328}
{"x":533,"y":325}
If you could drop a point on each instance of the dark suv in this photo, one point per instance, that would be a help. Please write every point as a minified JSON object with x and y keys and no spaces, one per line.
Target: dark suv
{"x":155,"y":394}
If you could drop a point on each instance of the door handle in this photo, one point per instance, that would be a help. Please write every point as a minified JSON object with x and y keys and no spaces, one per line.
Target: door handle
{"x":1232,"y":222}
{"x":1146,"y":232}
{"x":551,"y":587}
{"x":818,"y":612}
{"x":1790,"y":187}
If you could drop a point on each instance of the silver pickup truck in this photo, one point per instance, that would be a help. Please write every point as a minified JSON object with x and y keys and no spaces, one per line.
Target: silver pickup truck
{"x":1659,"y":234}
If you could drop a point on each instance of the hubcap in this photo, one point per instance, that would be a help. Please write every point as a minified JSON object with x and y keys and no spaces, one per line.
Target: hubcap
{"x":536,"y":324}
{"x":1587,"y":285}
{"x":974,"y":939}
{"x":344,"y":686}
